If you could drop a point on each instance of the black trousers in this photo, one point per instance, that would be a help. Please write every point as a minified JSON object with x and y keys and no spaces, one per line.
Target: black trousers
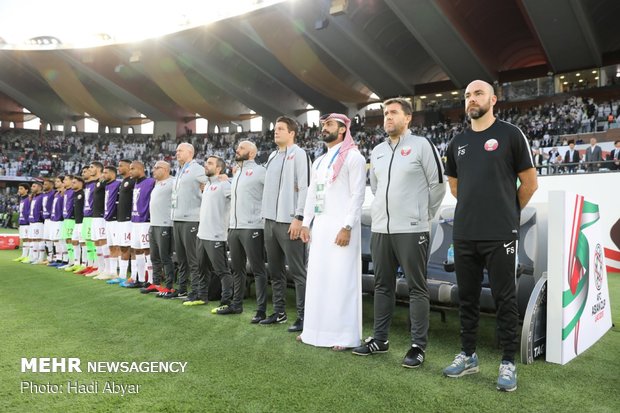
{"x":248,"y":245}
{"x":410,"y":250}
{"x":185,"y":242}
{"x":280,"y":250}
{"x":214,"y":262}
{"x":499,"y":258}
{"x":160,"y":243}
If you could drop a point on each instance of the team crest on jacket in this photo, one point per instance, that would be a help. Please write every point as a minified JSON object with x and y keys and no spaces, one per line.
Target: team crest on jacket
{"x":213,"y":187}
{"x":290,"y":157}
{"x":249,"y":172}
{"x":126,"y":184}
{"x":491,"y":145}
{"x":405,"y":151}
{"x":98,"y":184}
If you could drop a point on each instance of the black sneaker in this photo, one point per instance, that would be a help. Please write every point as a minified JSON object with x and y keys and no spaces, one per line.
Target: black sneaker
{"x":224,"y":310}
{"x":260,"y":316}
{"x":189,"y":297}
{"x":275,"y":318}
{"x":175,"y":294}
{"x":297,"y":326}
{"x":137,"y":284}
{"x":414,"y":357}
{"x":371,"y":346}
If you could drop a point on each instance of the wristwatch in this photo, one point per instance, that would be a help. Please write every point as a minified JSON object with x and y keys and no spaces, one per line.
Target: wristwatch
{"x":299,"y":217}
{"x":348,"y":227}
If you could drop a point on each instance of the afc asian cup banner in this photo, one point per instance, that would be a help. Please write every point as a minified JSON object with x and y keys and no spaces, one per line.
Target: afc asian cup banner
{"x":578,"y":308}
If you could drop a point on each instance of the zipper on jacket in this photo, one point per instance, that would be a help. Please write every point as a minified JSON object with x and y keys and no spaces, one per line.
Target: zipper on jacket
{"x":236,"y":185}
{"x":280,"y":182}
{"x":387,"y":188}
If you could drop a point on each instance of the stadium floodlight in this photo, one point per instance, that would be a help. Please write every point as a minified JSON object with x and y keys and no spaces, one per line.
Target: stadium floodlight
{"x":116,"y":21}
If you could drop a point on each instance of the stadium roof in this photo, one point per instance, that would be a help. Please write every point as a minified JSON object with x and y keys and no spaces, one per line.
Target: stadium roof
{"x":334,"y":55}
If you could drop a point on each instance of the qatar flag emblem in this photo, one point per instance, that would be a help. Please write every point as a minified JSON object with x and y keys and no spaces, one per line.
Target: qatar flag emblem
{"x":249,"y":172}
{"x":491,"y":145}
{"x":405,"y":151}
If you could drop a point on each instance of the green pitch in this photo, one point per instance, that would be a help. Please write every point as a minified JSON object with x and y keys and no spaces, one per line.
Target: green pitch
{"x":233,"y":366}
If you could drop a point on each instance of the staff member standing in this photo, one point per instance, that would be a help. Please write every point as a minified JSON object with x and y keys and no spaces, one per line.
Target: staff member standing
{"x":406,"y":176}
{"x":160,"y":232}
{"x":186,"y":198}
{"x":483,"y":164}
{"x":284,"y":198}
{"x":212,"y":232}
{"x":245,"y":235}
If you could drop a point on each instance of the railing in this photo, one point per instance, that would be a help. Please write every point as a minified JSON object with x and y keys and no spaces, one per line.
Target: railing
{"x":578,"y":167}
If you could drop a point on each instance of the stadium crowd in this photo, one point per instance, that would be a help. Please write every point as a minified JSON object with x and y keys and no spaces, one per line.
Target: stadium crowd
{"x":26,"y":153}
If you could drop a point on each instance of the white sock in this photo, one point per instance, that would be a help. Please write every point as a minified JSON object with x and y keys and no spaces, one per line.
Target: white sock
{"x":100,"y":263}
{"x":122,"y":268}
{"x":84,"y":250}
{"x":77,"y":254}
{"x":64,"y":252}
{"x":107,"y":268}
{"x":141,"y":268}
{"x":25,"y":249}
{"x":50,"y":250}
{"x":57,"y":251}
{"x":134,"y":269}
{"x":41,"y":254}
{"x":32,"y":253}
{"x":149,"y":268}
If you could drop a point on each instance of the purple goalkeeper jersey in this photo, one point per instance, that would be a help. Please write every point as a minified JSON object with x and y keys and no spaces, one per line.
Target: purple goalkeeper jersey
{"x":36,"y":209}
{"x":89,"y":195}
{"x":24,"y":210}
{"x":46,"y":201}
{"x":67,"y":204}
{"x":111,"y":200}
{"x":141,"y":200}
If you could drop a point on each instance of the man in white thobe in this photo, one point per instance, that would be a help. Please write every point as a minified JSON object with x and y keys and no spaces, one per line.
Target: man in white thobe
{"x":333,"y":316}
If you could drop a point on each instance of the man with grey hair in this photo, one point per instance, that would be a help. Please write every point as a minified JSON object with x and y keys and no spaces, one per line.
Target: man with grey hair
{"x":160,"y":231}
{"x":246,"y":235}
{"x":185,"y":206}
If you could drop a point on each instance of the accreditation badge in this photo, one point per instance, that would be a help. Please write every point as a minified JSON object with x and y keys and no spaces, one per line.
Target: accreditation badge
{"x":319,"y":204}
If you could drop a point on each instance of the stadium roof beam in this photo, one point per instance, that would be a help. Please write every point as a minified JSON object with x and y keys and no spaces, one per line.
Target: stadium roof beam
{"x":122,"y":94}
{"x":24,"y":85}
{"x":242,"y":39}
{"x":565,"y":32}
{"x":255,"y":97}
{"x":350,"y":47}
{"x":42,"y":111}
{"x":441,"y":40}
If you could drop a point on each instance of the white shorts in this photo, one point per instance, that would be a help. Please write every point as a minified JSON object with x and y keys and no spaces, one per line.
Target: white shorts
{"x":123,"y":234}
{"x":98,"y":230}
{"x":24,"y":231}
{"x":54,"y":229}
{"x":140,"y":235}
{"x":110,"y":231}
{"x":36,"y":230}
{"x":47,"y":235}
{"x":77,"y":232}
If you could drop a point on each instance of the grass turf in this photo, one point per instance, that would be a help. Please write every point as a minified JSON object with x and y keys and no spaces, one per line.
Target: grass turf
{"x":238,"y":367}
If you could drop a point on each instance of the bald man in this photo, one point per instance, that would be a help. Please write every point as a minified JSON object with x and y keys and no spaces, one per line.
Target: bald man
{"x":483,"y":164}
{"x":245,"y":235}
{"x":185,"y":201}
{"x":160,"y":232}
